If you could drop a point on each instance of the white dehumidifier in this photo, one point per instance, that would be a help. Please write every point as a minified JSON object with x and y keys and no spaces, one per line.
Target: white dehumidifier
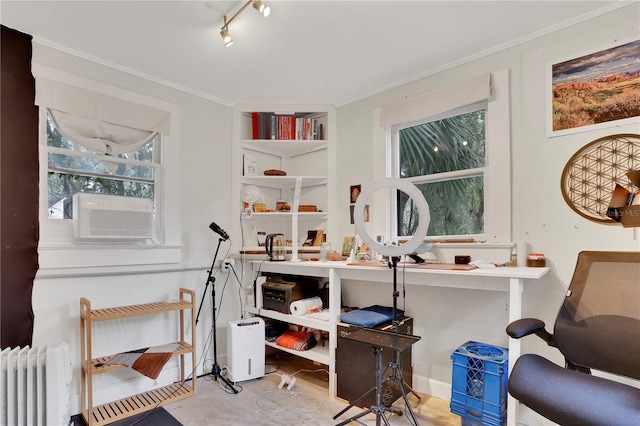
{"x":245,"y":349}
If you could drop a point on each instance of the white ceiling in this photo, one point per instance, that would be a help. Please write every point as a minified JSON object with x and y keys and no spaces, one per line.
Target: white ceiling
{"x":325,"y":52}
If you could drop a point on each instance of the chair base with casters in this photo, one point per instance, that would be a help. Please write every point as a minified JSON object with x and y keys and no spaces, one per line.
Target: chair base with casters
{"x":597,"y":329}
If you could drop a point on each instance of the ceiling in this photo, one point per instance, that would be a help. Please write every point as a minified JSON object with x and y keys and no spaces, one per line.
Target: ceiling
{"x":318,"y":52}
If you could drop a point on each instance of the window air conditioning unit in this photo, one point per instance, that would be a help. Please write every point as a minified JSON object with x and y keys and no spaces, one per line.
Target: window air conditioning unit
{"x":111,"y":217}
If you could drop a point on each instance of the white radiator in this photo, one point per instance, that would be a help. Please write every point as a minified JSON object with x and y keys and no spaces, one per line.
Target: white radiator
{"x":35,"y":385}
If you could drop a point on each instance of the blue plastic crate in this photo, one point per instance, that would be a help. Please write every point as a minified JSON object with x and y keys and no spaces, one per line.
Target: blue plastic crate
{"x":479,"y":383}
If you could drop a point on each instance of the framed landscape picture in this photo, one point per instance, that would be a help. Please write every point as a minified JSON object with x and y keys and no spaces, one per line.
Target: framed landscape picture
{"x":595,"y":90}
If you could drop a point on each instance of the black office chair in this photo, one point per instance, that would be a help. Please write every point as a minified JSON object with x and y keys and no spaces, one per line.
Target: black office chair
{"x":598,"y":327}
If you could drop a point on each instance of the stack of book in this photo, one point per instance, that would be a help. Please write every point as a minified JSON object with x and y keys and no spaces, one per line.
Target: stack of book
{"x":268,"y":125}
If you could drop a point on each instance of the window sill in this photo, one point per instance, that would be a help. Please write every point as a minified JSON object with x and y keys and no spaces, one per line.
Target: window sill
{"x":66,"y":257}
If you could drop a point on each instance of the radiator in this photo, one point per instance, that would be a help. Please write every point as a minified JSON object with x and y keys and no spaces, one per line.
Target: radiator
{"x":35,"y":386}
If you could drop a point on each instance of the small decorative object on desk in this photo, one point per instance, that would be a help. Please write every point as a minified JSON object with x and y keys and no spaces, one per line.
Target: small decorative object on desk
{"x":536,"y":260}
{"x":334,"y":255}
{"x":325,"y":248}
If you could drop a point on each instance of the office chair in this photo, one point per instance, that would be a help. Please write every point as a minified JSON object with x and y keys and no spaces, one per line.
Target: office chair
{"x":597,"y":327}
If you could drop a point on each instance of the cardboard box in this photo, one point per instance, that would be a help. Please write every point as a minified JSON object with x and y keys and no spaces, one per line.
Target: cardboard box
{"x":624,"y":207}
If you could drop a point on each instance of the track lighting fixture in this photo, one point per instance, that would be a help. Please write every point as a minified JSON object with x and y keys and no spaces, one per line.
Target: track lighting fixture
{"x":262,"y":8}
{"x":224,"y":33}
{"x":257,"y":4}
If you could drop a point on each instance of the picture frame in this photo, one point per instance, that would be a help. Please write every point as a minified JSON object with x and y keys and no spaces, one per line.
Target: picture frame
{"x":354,"y":193}
{"x":594,"y":90}
{"x":249,"y":165}
{"x":365,"y":213}
{"x":347,"y":245}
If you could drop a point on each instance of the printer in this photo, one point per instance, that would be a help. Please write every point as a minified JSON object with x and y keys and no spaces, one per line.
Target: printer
{"x":279,"y":291}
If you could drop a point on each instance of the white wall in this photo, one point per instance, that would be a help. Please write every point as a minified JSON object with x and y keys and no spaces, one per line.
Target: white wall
{"x":539,"y":215}
{"x":204,"y":186}
{"x":445,"y":318}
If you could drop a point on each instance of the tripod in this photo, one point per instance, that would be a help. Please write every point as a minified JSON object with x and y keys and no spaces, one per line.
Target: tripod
{"x":380,"y":340}
{"x":211,"y":279}
{"x":396,"y":375}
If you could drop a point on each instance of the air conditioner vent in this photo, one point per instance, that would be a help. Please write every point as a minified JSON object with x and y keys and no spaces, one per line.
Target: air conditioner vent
{"x":104,"y":217}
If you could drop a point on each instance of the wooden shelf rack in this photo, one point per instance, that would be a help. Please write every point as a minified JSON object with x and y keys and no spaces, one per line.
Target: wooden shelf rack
{"x":135,"y":404}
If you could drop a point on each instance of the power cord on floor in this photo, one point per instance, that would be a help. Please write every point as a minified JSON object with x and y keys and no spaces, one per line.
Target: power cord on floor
{"x":289,"y":399}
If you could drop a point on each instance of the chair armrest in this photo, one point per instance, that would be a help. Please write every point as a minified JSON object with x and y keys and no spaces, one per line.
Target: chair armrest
{"x":526,"y":326}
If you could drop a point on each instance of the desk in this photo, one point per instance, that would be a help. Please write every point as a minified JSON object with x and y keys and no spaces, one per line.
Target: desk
{"x":509,"y":279}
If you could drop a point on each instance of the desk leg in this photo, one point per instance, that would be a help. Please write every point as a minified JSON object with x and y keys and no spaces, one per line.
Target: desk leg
{"x":335,"y":293}
{"x":515,"y":312}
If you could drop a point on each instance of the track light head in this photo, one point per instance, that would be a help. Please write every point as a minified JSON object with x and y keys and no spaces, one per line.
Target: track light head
{"x":257,"y":4}
{"x":224,"y":33}
{"x":262,"y":8}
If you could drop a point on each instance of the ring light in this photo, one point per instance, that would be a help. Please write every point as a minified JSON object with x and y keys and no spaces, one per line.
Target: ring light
{"x":423,"y":216}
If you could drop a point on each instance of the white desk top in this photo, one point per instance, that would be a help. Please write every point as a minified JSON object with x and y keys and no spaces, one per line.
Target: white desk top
{"x":480,"y":278}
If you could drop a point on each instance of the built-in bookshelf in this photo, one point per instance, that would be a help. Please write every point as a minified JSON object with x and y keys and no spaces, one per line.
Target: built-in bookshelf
{"x":296,"y":126}
{"x":286,"y":155}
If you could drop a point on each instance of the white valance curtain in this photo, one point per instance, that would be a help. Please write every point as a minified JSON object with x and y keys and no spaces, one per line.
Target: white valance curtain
{"x":97,"y":121}
{"x":475,"y":90}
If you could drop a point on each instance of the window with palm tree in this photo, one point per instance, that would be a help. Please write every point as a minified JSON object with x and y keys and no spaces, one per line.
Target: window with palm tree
{"x":445,"y":158}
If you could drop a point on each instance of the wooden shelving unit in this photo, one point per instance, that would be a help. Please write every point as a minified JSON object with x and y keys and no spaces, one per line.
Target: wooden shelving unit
{"x":135,"y":404}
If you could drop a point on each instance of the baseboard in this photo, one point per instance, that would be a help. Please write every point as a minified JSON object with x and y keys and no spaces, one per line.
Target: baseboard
{"x":432,"y":387}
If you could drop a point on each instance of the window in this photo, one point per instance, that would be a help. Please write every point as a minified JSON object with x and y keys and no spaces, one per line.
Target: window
{"x":445,"y":159}
{"x":116,"y":142}
{"x":454,"y":145}
{"x":73,"y":168}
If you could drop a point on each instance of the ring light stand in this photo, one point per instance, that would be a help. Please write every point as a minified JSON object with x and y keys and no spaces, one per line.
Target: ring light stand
{"x":394,"y":252}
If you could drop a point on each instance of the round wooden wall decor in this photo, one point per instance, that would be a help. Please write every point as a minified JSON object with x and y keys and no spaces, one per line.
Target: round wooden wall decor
{"x":591,"y":174}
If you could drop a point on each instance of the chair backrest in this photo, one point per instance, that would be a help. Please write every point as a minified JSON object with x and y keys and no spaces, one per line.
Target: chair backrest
{"x":598,"y":325}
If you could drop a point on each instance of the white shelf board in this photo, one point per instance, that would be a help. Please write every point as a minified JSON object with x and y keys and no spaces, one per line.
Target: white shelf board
{"x":284,"y":182}
{"x":318,"y":353}
{"x":280,"y":215}
{"x":302,"y":320}
{"x":291,"y":148}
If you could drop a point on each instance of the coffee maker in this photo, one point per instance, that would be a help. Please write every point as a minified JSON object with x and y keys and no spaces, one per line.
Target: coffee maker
{"x":276,"y":247}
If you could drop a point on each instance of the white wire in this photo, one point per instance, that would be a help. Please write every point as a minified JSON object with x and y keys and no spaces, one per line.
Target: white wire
{"x":290,"y":397}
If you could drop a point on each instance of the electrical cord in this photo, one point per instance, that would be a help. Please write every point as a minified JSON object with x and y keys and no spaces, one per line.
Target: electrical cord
{"x":289,"y":399}
{"x":202,"y":360}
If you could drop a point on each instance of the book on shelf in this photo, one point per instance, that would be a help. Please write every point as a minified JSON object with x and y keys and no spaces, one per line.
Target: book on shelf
{"x":269,"y":125}
{"x":255,"y":125}
{"x":315,"y":237}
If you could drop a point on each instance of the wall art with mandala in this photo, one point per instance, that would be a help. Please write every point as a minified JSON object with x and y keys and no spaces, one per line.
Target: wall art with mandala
{"x":601,"y":181}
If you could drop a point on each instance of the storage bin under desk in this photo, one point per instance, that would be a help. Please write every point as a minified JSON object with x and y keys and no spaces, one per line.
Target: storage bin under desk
{"x":356,"y":366}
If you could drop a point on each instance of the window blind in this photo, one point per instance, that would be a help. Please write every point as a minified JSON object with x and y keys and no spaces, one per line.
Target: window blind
{"x":98,"y":121}
{"x":433,"y":103}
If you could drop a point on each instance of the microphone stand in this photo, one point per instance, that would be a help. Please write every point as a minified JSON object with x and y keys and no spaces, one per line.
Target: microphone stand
{"x":211,"y":279}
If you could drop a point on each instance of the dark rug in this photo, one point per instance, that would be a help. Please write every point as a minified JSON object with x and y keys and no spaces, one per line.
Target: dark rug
{"x":156,"y":417}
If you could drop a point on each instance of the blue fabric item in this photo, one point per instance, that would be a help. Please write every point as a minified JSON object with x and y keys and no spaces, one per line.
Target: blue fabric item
{"x":370,"y":316}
